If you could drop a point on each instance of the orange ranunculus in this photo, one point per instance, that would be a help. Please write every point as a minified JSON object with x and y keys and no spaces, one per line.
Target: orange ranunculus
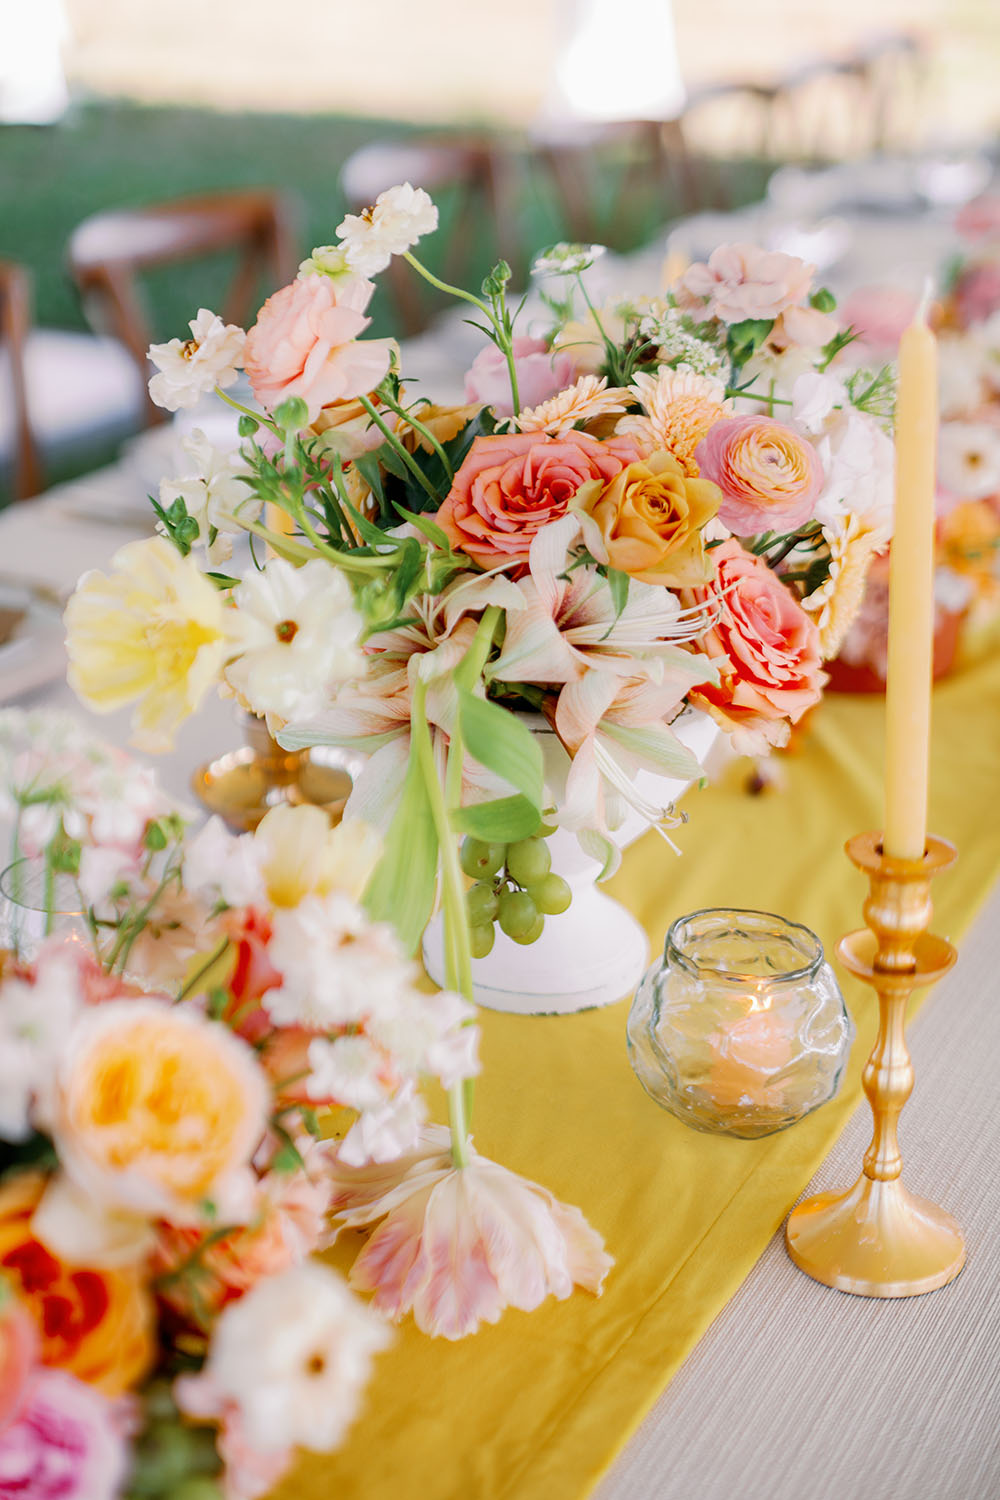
{"x":96,"y":1323}
{"x":648,"y":522}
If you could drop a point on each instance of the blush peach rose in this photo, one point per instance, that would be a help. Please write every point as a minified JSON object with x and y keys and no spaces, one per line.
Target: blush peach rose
{"x":770,"y":476}
{"x":765,"y":646}
{"x":648,"y":521}
{"x":158,"y":1111}
{"x":96,"y":1323}
{"x":305,"y":343}
{"x":510,"y":486}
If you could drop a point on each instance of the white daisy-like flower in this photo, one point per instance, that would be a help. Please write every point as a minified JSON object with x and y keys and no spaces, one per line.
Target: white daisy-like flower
{"x":214,"y":494}
{"x":584,"y":401}
{"x":292,"y":1355}
{"x":400,"y":217}
{"x":969,"y":459}
{"x":299,"y":633}
{"x":190,"y":367}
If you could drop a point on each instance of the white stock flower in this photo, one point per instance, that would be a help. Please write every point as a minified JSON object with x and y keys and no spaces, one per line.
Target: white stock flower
{"x":293,"y":1355}
{"x":400,"y":217}
{"x":857,"y":456}
{"x":299,"y":631}
{"x":386,"y":1133}
{"x":214,"y":495}
{"x":36,"y":1016}
{"x":350,"y":1069}
{"x":188,"y":368}
{"x":216,"y":861}
{"x":337,"y":966}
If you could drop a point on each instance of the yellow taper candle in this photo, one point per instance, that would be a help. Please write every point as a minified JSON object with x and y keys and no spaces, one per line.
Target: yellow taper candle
{"x":911,"y":596}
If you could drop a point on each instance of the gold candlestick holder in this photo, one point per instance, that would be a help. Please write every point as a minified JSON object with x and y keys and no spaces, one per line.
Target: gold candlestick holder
{"x":245,"y":784}
{"x":878,"y":1239}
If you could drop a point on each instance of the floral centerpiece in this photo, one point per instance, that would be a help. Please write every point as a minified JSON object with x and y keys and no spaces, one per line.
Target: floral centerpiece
{"x":640,"y":509}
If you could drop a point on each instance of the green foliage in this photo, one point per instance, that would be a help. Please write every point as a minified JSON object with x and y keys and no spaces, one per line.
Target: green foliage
{"x":401,"y":496}
{"x":823,"y":300}
{"x":182,"y":529}
{"x":503,"y":819}
{"x":501,"y":743}
{"x":401,"y":890}
{"x":37,"y":1153}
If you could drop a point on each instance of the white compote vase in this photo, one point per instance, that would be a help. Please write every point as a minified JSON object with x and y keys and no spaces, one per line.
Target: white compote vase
{"x":595,"y":952}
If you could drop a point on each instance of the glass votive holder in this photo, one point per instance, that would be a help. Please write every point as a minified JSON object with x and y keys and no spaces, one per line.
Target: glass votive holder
{"x":35,"y":903}
{"x":740,"y":1029}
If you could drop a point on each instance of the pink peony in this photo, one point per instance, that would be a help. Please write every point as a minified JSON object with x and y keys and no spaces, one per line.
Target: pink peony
{"x":459,"y":1244}
{"x":510,"y":486}
{"x":305,"y":343}
{"x":744,"y":281}
{"x":770,"y":477}
{"x":765,"y":645}
{"x":540,"y":374}
{"x":64,"y":1445}
{"x":878,"y":314}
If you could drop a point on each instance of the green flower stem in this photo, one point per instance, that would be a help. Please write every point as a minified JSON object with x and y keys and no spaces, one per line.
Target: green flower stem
{"x":418,"y":426}
{"x":458,"y":954}
{"x":213,"y":958}
{"x":404,"y":453}
{"x":50,"y":892}
{"x":246,"y":411}
{"x":472,"y":663}
{"x":443,"y":286}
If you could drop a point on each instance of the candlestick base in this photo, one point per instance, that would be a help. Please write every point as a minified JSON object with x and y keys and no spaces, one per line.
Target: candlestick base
{"x":878,"y":1239}
{"x":243,"y":785}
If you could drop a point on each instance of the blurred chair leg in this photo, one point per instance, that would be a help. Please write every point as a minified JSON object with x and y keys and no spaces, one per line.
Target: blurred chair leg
{"x":15,"y":319}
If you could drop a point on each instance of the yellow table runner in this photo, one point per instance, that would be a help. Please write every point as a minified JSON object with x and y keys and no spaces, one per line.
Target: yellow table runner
{"x":536,"y":1407}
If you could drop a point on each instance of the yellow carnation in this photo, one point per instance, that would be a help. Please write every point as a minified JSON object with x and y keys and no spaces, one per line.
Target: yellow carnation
{"x":152,"y":633}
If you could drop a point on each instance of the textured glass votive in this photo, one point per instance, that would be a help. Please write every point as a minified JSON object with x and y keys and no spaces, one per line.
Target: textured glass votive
{"x":740,"y":1028}
{"x":35,"y":903}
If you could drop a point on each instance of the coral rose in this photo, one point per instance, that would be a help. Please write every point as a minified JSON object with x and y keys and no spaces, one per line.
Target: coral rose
{"x":305,"y":343}
{"x":770,"y":477}
{"x":540,"y":374}
{"x":158,"y":1111}
{"x":510,"y":486}
{"x":96,"y":1323}
{"x":764,"y":644}
{"x":647,"y":522}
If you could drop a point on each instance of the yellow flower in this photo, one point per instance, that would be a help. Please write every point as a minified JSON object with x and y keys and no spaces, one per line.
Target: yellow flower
{"x":680,"y":408}
{"x":152,"y":633}
{"x":853,"y":543}
{"x":648,"y":522}
{"x":304,"y":856}
{"x":158,"y":1111}
{"x":969,"y":544}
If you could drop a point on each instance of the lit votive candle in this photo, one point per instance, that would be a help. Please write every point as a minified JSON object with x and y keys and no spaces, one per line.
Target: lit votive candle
{"x":740,"y":1028}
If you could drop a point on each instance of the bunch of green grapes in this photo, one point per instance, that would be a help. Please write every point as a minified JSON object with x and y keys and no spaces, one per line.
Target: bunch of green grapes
{"x":515,"y":887}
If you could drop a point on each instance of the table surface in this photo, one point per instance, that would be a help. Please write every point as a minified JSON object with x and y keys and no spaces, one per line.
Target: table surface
{"x":894,"y":1399}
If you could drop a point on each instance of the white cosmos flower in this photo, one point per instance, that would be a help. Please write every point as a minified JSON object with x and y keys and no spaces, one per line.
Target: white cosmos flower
{"x":299,"y":632}
{"x":214,"y":494}
{"x":190,"y":367}
{"x":400,"y":217}
{"x":292,"y":1356}
{"x":969,"y":459}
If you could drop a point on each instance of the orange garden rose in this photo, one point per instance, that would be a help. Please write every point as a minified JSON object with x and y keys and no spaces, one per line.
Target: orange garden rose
{"x":512,"y":485}
{"x":648,"y":522}
{"x":158,"y":1111}
{"x":97,"y":1324}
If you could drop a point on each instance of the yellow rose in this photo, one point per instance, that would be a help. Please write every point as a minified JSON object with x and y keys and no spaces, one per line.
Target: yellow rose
{"x":648,"y":521}
{"x":94,"y":1322}
{"x":158,"y":1111}
{"x":154,"y":633}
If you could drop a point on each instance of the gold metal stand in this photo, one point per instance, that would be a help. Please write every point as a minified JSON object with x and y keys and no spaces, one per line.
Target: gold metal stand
{"x":245,"y":784}
{"x":878,"y":1239}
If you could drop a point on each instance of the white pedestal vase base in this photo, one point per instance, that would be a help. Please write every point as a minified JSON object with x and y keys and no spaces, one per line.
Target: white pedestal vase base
{"x":596,"y":952}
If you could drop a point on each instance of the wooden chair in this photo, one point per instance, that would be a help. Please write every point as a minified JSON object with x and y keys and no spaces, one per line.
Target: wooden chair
{"x":475,"y":173}
{"x":15,"y":324}
{"x":108,"y":252}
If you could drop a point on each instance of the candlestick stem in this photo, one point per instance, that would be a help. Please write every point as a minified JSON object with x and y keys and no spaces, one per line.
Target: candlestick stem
{"x":878,"y":1239}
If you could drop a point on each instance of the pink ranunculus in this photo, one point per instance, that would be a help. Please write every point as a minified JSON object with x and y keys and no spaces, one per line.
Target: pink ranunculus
{"x":305,"y":343}
{"x":744,"y":281}
{"x":512,"y":485}
{"x":765,"y":646}
{"x":770,"y":476}
{"x":540,"y":374}
{"x":976,"y":293}
{"x":63,"y":1445}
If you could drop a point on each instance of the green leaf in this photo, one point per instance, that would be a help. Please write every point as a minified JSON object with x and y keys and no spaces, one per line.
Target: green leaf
{"x":498,"y":740}
{"x":747,"y":336}
{"x":430,"y":529}
{"x":401,"y":891}
{"x":505,"y":820}
{"x":618,"y":584}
